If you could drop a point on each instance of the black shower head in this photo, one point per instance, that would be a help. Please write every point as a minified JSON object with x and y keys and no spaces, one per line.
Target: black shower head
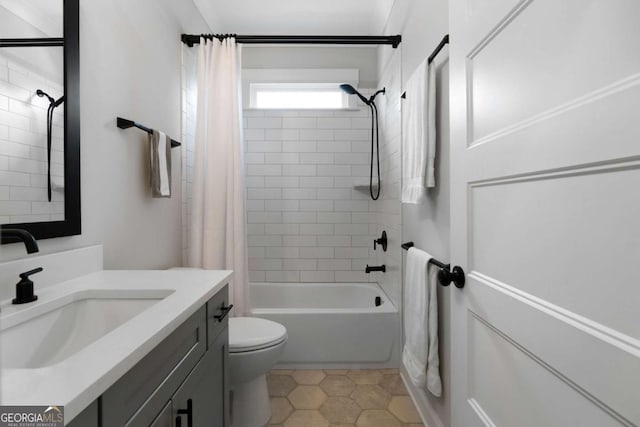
{"x":52,"y":100}
{"x":352,"y":91}
{"x":42,"y":93}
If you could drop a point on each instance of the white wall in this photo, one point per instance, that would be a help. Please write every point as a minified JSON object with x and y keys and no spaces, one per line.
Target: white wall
{"x":130,"y":67}
{"x":422,"y":25}
{"x":364,"y":59}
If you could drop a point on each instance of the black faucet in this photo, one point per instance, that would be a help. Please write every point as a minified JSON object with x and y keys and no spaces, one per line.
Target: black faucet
{"x":24,"y":288}
{"x":11,"y":235}
{"x":382,"y":268}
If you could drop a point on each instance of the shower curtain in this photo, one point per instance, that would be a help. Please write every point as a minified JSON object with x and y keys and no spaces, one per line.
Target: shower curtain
{"x":218,"y":240}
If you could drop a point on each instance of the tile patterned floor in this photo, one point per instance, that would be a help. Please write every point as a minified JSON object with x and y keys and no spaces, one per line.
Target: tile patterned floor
{"x":340,"y":398}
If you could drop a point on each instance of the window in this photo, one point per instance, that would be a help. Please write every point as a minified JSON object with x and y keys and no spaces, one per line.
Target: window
{"x":297,"y":95}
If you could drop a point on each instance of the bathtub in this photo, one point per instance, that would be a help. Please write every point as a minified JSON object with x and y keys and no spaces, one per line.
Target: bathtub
{"x":331,"y":324}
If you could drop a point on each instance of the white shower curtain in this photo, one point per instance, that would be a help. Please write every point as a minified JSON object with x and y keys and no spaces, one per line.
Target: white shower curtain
{"x":218,"y":240}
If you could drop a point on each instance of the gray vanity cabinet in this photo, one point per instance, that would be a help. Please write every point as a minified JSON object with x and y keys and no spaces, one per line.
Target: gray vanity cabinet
{"x":182,"y":382}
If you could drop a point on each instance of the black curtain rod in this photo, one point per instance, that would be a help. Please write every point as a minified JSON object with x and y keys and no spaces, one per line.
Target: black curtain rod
{"x":394,"y":41}
{"x":436,"y":51}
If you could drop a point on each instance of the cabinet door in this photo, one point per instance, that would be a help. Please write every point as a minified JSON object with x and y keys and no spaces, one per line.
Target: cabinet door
{"x":203,"y":397}
{"x":164,"y":418}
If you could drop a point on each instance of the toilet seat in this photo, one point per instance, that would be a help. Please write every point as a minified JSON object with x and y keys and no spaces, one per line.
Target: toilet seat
{"x":252,"y":334}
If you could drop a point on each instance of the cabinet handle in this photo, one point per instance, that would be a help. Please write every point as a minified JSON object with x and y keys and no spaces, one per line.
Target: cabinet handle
{"x":225,"y":310}
{"x":188,"y":412}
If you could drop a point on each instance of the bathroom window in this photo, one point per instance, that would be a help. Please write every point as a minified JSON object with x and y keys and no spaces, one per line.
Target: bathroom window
{"x":297,"y":96}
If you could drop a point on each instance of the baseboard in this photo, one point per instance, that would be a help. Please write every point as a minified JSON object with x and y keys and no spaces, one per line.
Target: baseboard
{"x":428,"y":415}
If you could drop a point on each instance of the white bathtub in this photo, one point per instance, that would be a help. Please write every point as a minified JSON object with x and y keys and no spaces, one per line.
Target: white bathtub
{"x":331,"y":324}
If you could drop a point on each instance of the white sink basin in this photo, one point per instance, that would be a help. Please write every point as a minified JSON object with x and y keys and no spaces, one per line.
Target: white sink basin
{"x":49,"y":332}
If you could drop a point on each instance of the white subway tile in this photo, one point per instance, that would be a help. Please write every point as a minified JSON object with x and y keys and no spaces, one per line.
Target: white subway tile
{"x":352,"y":159}
{"x":254,"y":158}
{"x":282,"y":134}
{"x":265,"y":264}
{"x":361,"y":123}
{"x":334,"y":193}
{"x":334,"y":123}
{"x":299,"y":146}
{"x":253,"y":205}
{"x":333,"y":217}
{"x":311,"y":252}
{"x":14,"y":178}
{"x":334,"y":170}
{"x":300,"y":241}
{"x":299,"y":122}
{"x":282,"y":229}
{"x":351,"y":229}
{"x":363,"y":218}
{"x":264,"y":217}
{"x":316,"y":158}
{"x":361,"y":147}
{"x":264,"y":123}
{"x":256,"y":276}
{"x":253,"y":134}
{"x":315,"y":229}
{"x":264,"y":193}
{"x":265,"y":147}
{"x":299,"y":170}
{"x":299,"y":217}
{"x":255,"y":229}
{"x":255,"y":181}
{"x":334,"y":241}
{"x":316,"y":276}
{"x":299,"y":193}
{"x":352,"y":277}
{"x":283,"y":276}
{"x":268,"y":241}
{"x":316,"y":182}
{"x":15,"y":207}
{"x":342,"y":253}
{"x":363,"y":170}
{"x":282,"y":158}
{"x":256,"y":251}
{"x":281,"y":182}
{"x":351,"y":205}
{"x":282,"y":205}
{"x":316,"y":134}
{"x":334,"y":147}
{"x":316,"y":205}
{"x":334,"y":264}
{"x":299,"y":264}
{"x":264,"y":170}
{"x":352,"y":134}
{"x":282,"y":252}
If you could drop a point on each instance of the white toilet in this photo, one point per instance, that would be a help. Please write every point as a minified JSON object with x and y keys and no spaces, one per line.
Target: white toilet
{"x":255,"y":345}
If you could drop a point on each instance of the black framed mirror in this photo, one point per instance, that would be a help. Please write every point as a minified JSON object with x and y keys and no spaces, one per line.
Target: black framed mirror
{"x":40,"y":117}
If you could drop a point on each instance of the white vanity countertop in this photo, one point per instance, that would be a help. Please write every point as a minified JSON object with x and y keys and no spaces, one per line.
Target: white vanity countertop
{"x":81,"y":378}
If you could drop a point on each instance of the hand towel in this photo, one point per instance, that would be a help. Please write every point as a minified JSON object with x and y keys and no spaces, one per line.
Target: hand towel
{"x":420,"y":353}
{"x":160,"y":154}
{"x":419,"y":134}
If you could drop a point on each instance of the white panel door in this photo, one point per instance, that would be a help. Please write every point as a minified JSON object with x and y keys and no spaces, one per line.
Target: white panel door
{"x":545,"y":213}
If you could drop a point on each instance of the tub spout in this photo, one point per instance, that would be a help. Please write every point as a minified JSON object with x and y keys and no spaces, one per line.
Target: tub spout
{"x":369,"y":269}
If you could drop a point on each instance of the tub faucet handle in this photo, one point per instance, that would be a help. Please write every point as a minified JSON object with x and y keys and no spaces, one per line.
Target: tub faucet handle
{"x":382,"y":241}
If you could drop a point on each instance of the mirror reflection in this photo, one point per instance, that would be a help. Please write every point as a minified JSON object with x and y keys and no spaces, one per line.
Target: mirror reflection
{"x":31,"y":19}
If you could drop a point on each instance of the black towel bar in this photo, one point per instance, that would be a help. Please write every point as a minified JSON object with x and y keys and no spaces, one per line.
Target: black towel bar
{"x":446,"y":275}
{"x":126,"y":124}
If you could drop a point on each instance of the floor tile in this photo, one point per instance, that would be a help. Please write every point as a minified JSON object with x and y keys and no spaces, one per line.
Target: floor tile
{"x":307,"y":397}
{"x":377,"y":418}
{"x":280,"y":410}
{"x":308,"y":377}
{"x":280,"y":385}
{"x":337,"y":385}
{"x":402,"y":407}
{"x":365,"y":376}
{"x":340,"y":410}
{"x":371,"y":396}
{"x":306,"y":418}
{"x":394,"y":385}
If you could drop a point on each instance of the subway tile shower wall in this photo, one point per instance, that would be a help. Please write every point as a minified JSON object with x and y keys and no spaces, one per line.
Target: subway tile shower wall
{"x":23,"y":141}
{"x":306,"y":222}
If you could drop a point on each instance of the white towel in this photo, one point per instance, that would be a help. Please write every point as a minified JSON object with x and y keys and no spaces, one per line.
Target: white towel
{"x":160,"y":155}
{"x":420,"y":354}
{"x":419,"y":134}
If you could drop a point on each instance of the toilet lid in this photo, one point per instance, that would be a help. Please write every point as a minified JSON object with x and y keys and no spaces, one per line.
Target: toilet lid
{"x":252,"y":333}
